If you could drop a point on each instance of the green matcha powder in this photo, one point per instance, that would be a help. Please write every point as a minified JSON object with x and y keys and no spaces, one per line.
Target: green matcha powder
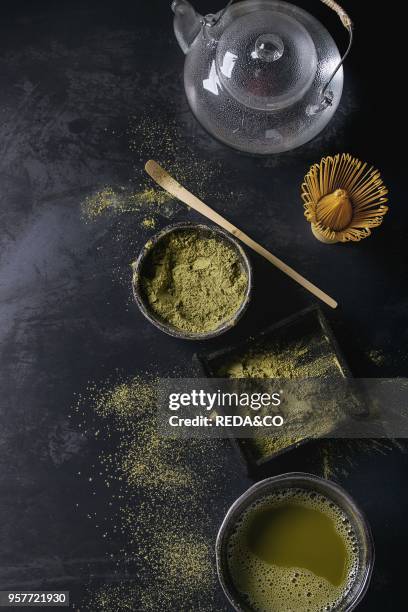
{"x":194,"y":282}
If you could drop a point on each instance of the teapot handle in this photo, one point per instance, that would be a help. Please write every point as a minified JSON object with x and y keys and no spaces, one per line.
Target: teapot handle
{"x":344,"y":18}
{"x":326,"y":95}
{"x":326,"y":98}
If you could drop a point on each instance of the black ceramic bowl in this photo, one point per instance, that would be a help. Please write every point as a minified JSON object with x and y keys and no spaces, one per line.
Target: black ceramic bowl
{"x":165,"y":326}
{"x":298,"y":480}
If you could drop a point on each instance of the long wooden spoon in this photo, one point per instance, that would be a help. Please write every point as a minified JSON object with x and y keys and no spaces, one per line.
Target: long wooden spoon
{"x":167,"y":182}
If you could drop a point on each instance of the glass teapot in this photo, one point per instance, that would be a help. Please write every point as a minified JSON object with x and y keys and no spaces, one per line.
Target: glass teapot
{"x":262,"y":76}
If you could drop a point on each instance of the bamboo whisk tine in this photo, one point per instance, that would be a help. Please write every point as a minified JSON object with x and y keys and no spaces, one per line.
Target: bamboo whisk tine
{"x":167,"y":182}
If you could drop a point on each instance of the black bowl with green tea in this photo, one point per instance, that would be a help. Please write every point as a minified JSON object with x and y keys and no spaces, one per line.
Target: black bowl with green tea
{"x":192,"y":281}
{"x":295,"y":542}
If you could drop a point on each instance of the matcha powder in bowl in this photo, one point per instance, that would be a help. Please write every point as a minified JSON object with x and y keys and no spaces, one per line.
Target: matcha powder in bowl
{"x":192,"y":281}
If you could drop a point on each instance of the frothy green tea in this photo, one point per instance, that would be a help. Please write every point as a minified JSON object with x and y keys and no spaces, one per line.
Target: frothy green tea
{"x":293,"y":551}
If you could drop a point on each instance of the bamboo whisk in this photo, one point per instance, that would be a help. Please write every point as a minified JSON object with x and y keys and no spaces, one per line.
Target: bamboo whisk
{"x":343,"y":199}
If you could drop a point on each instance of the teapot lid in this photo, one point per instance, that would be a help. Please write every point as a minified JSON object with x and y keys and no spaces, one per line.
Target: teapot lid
{"x":266,"y":59}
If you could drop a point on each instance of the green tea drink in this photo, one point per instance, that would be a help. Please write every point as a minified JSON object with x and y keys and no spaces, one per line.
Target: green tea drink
{"x":293,"y":551}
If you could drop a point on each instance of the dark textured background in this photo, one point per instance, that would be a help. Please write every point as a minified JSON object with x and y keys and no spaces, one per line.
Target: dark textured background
{"x":72,"y":76}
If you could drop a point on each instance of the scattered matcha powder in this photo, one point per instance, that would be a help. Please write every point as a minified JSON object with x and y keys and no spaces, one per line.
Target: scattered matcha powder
{"x":186,"y":559}
{"x":119,"y":200}
{"x":126,"y":400}
{"x":194,"y":282}
{"x":147,"y":477}
{"x":149,"y":223}
{"x":152,"y":196}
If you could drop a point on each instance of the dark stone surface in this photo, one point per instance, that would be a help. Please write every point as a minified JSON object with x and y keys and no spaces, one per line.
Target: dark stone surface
{"x":72,"y":76}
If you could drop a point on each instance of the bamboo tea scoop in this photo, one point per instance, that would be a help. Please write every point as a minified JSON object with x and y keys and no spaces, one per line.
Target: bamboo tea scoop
{"x":169,"y":184}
